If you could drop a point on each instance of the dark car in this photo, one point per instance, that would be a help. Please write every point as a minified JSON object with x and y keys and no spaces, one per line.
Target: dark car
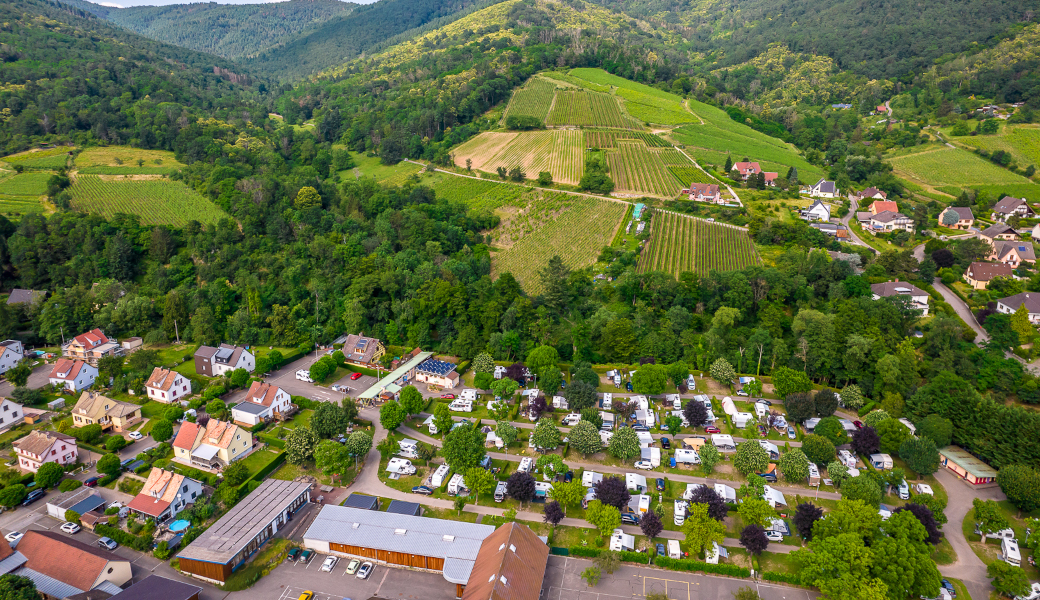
{"x":660,"y":484}
{"x":764,"y":401}
{"x":422,"y":489}
{"x":628,"y":385}
{"x":629,"y":519}
{"x":306,"y":556}
{"x":660,"y":549}
{"x":858,"y":424}
{"x":33,"y":497}
{"x":949,"y":587}
{"x":640,"y":427}
{"x":126,"y":463}
{"x":568,"y":476}
{"x":92,"y":482}
{"x":666,"y":444}
{"x":293,"y":555}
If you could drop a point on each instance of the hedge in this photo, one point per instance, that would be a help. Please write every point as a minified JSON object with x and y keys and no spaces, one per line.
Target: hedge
{"x":264,"y":472}
{"x":676,"y":564}
{"x":584,"y":551}
{"x":869,"y":406}
{"x":139,"y":543}
{"x":794,"y":578}
{"x":270,"y":439}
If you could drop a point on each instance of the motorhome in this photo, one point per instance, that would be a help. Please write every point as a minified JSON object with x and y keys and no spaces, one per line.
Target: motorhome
{"x":847,"y":458}
{"x":469,"y":395}
{"x":680,"y":512}
{"x":541,"y":491}
{"x":500,"y":491}
{"x":408,"y":448}
{"x":608,"y":421}
{"x":771,"y":448}
{"x":691,"y":382}
{"x":430,"y":426}
{"x":440,"y":476}
{"x":690,"y":489}
{"x":687,"y":457}
{"x":457,"y":485}
{"x":1009,"y":552}
{"x":904,"y":490}
{"x":607,"y":402}
{"x":572,"y":419}
{"x":673,"y":549}
{"x":741,"y":419}
{"x":674,"y":400}
{"x":621,"y":541}
{"x":651,"y":454}
{"x":723,"y":442}
{"x":881,"y":462}
{"x":461,"y":406}
{"x":401,"y":466}
{"x":814,"y":475}
{"x":526,"y":464}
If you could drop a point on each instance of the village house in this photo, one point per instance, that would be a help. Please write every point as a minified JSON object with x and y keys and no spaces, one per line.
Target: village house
{"x":263,"y":402}
{"x":11,"y":353}
{"x":824,"y":189}
{"x":817,"y":211}
{"x":363,"y":351}
{"x":165,"y":494}
{"x":834,"y":230}
{"x":212,"y":446}
{"x":979,"y":274}
{"x":746,"y":169}
{"x":996,"y":233}
{"x":704,"y":192}
{"x":888,"y":221}
{"x":1030,"y":300}
{"x":1013,"y":253}
{"x":10,"y":414}
{"x":880,"y":206}
{"x":965,"y":218}
{"x":93,"y":408}
{"x":918,"y":297}
{"x":871,"y":193}
{"x":42,"y":446}
{"x":167,"y":386}
{"x":1009,"y":207}
{"x":1034,"y":233}
{"x":215,"y":362}
{"x":436,"y":372}
{"x":73,"y":375}
{"x":91,"y":347}
{"x":62,"y":567}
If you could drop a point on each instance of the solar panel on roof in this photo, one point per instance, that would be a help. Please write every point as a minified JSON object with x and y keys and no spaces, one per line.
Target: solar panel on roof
{"x":437,"y":367}
{"x":223,"y":354}
{"x":361,"y":345}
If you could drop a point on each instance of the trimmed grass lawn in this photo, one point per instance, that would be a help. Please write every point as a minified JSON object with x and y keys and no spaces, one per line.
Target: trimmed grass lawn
{"x":990,"y":551}
{"x":258,"y":460}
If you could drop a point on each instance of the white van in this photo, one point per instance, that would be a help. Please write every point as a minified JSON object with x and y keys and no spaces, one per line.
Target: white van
{"x":400,"y":466}
{"x":500,"y":491}
{"x":572,"y":419}
{"x":526,"y":464}
{"x":687,"y":457}
{"x":680,"y":512}
{"x":904,"y":490}
{"x":304,"y":375}
{"x":673,"y":549}
{"x":461,"y":406}
{"x":1009,"y":552}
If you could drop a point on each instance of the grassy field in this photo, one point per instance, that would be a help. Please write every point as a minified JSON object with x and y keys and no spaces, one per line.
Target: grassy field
{"x":1021,"y":141}
{"x":691,"y":174}
{"x":636,"y":168}
{"x":14,"y":207}
{"x":480,"y":194}
{"x":124,"y":160}
{"x":939,"y":165}
{"x":679,"y":243}
{"x":558,"y":152}
{"x":50,"y":158}
{"x":532,"y":100}
{"x":157,"y":202}
{"x":371,"y":166}
{"x":25,"y":184}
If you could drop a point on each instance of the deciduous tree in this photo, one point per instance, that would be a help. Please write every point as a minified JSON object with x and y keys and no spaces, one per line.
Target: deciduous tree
{"x":568,"y":494}
{"x":1008,"y":580}
{"x":862,"y":488}
{"x":520,"y":486}
{"x":806,"y":515}
{"x":722,"y":371}
{"x":604,"y":517}
{"x":391,"y":415}
{"x":613,"y":491}
{"x":865,"y":441}
{"x":937,"y":429}
{"x":442,"y":420}
{"x":506,"y":432}
{"x":753,"y":538}
{"x":483,"y":363}
{"x":412,"y":400}
{"x":794,"y":465}
{"x":716,"y":506}
{"x":584,"y":438}
{"x":580,"y":395}
{"x":553,"y":513}
{"x":463,"y":448}
{"x":701,"y":530}
{"x":831,"y":429}
{"x":756,"y":511}
{"x":48,"y":475}
{"x":480,"y":481}
{"x":328,"y":420}
{"x":550,"y":465}
{"x":750,"y":458}
{"x":300,"y":444}
{"x":920,"y":454}
{"x":818,"y":449}
{"x":651,"y":525}
{"x":650,"y":379}
{"x":710,"y":457}
{"x":988,"y":518}
{"x":1021,"y":484}
{"x":624,"y":444}
{"x":546,"y":434}
{"x":892,"y":434}
{"x":359,"y":443}
{"x":696,"y":413}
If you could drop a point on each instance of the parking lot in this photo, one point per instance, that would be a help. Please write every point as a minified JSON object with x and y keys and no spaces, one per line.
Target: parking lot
{"x":289,"y":581}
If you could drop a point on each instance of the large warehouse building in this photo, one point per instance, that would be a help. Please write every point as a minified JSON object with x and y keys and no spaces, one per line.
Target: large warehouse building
{"x":229,"y":542}
{"x":451,"y":548}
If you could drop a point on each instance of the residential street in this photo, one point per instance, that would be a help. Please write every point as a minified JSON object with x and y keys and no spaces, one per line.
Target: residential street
{"x":853,"y":207}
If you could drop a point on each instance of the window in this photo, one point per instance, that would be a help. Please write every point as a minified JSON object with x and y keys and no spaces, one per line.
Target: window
{"x":184,"y":489}
{"x":238,"y":437}
{"x":234,"y":450}
{"x":193,"y":494}
{"x":54,"y":452}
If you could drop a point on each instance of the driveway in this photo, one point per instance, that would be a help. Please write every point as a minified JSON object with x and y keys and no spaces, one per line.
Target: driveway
{"x":285,"y":378}
{"x":853,"y":207}
{"x":961,"y":308}
{"x":39,"y":377}
{"x":968,"y":567}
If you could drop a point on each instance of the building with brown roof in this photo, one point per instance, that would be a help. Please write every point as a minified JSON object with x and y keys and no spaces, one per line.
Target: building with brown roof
{"x":965,"y":218}
{"x":166,"y":385}
{"x":41,"y":447}
{"x":704,"y":192}
{"x":918,"y":298}
{"x":154,"y":587}
{"x":510,"y":566}
{"x":262,"y":402}
{"x":872,"y":193}
{"x":91,"y":347}
{"x":998,"y":232}
{"x":93,"y":408}
{"x":979,"y":274}
{"x":73,"y":375}
{"x":1013,"y":253}
{"x":165,"y":494}
{"x":363,"y":351}
{"x":213,"y":446}
{"x":1009,"y":206}
{"x":214,"y":362}
{"x":888,"y":222}
{"x":70,"y":562}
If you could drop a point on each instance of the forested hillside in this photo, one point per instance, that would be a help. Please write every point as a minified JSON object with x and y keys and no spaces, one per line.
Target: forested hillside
{"x":68,"y":73}
{"x":228,"y":30}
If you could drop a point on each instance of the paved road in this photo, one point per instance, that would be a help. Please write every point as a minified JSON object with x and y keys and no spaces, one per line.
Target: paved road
{"x":39,"y":377}
{"x":853,"y":207}
{"x":968,"y":567}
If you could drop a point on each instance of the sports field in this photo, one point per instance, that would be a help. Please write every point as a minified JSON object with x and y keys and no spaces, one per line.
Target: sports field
{"x":558,"y":152}
{"x":679,"y":243}
{"x":638,"y":169}
{"x":939,"y":165}
{"x":156,"y":201}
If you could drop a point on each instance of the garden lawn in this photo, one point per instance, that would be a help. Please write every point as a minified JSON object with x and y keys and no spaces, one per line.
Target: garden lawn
{"x":258,"y":460}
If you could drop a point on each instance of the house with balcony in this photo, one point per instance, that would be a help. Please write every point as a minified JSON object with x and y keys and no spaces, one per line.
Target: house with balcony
{"x":704,"y":192}
{"x":1009,"y":206}
{"x":888,"y":222}
{"x":363,"y":351}
{"x":211,"y":446}
{"x":998,"y":232}
{"x":918,"y":297}
{"x":216,"y":362}
{"x":42,"y":446}
{"x":262,"y":402}
{"x":979,"y":274}
{"x":95,"y":409}
{"x":91,"y":347}
{"x":167,"y":386}
{"x":165,"y":494}
{"x":1013,"y":254}
{"x":871,"y":193}
{"x":73,"y":375}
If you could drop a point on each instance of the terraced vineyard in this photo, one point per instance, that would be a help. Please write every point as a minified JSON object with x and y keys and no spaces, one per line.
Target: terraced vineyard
{"x":588,"y":109}
{"x":532,"y":100}
{"x":157,"y":201}
{"x":609,"y":139}
{"x":688,"y":175}
{"x":637,"y":169}
{"x":679,"y":243}
{"x":558,"y":152}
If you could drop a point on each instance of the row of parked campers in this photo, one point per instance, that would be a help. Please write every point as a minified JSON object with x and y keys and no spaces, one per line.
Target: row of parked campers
{"x":1008,"y":545}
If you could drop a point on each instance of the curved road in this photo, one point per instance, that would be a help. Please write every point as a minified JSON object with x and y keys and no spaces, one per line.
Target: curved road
{"x":853,"y":207}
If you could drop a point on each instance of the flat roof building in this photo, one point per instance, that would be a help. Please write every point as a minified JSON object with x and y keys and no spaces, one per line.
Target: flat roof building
{"x":154,"y":587}
{"x":966,"y":466}
{"x":236,"y":536}
{"x":361,"y":501}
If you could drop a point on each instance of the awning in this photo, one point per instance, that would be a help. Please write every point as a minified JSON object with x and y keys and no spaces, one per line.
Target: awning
{"x":205,"y":452}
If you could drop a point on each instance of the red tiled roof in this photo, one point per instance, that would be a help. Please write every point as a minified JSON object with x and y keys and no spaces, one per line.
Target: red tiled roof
{"x":509,"y":566}
{"x":161,"y":379}
{"x":68,"y":366}
{"x":262,"y":393}
{"x":186,"y":436}
{"x":64,"y":559}
{"x":92,"y":338}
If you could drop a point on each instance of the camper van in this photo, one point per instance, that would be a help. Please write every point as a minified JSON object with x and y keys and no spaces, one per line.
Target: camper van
{"x":1009,"y":552}
{"x":526,"y":464}
{"x":847,"y":458}
{"x":572,"y":419}
{"x":675,"y":400}
{"x":904,"y":490}
{"x":440,"y":476}
{"x":687,"y":457}
{"x":401,"y":466}
{"x":408,"y":448}
{"x":500,"y":491}
{"x":673,"y":549}
{"x":608,"y":421}
{"x":461,"y":406}
{"x":469,"y":395}
{"x":456,"y":485}
{"x":680,"y":512}
{"x":881,"y":462}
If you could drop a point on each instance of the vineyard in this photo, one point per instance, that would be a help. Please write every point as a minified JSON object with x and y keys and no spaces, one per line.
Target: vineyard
{"x":478,"y":194}
{"x":585,"y":108}
{"x":14,"y":207}
{"x":124,"y":160}
{"x":609,"y":139}
{"x":688,"y":175}
{"x":643,"y":102}
{"x":532,"y":100}
{"x":51,"y":158}
{"x":637,"y":169}
{"x":25,"y":184}
{"x":157,"y":202}
{"x":679,"y":243}
{"x":558,"y":152}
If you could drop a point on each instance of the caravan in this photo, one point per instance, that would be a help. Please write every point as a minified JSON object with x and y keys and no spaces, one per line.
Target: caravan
{"x":1009,"y":552}
{"x":440,"y":476}
{"x":723,"y":442}
{"x":673,"y":549}
{"x":429,"y":424}
{"x":674,"y":400}
{"x":680,"y":512}
{"x":572,"y":419}
{"x":400,"y":466}
{"x":408,"y":448}
{"x":500,"y":491}
{"x":652,"y":455}
{"x":526,"y":464}
{"x":560,"y":402}
{"x":468,"y":395}
{"x":881,"y":462}
{"x":847,"y":458}
{"x":457,"y":485}
{"x":461,"y":406}
{"x":741,"y":419}
{"x":686,"y":456}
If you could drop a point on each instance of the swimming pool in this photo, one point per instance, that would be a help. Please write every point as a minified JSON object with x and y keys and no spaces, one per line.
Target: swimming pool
{"x":179,"y":525}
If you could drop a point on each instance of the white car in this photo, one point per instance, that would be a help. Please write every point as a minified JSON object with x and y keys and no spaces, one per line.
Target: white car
{"x":364,"y":571}
{"x":136,"y":435}
{"x":329,"y":564}
{"x":774,"y":536}
{"x":13,"y":537}
{"x":303,"y":375}
{"x":644,"y":464}
{"x":71,"y":527}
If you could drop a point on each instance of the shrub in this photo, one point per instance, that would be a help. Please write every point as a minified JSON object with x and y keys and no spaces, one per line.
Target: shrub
{"x":679,"y":564}
{"x":139,"y":543}
{"x":69,"y":484}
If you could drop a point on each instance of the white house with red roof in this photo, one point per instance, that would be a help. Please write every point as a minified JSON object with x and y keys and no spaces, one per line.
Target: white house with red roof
{"x":167,"y":386}
{"x":73,"y":375}
{"x":42,"y":446}
{"x":704,"y":192}
{"x":746,"y":169}
{"x":165,"y":494}
{"x":261,"y":403}
{"x":91,"y":347}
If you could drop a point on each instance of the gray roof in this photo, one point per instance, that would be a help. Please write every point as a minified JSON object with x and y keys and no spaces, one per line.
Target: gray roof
{"x":1008,"y":204}
{"x":222,"y":542}
{"x":826,"y":187}
{"x":362,"y":501}
{"x":12,"y":562}
{"x":418,"y":535}
{"x":154,"y":587}
{"x":888,"y":216}
{"x":1031,"y":300}
{"x":251,"y":408}
{"x":896,"y":288}
{"x":402,"y":507}
{"x":88,"y":504}
{"x":108,"y":586}
{"x":49,"y":585}
{"x":69,"y":499}
{"x":19,"y":296}
{"x":1025,"y":250}
{"x":963,"y":212}
{"x":392,"y":377}
{"x":998,"y":229}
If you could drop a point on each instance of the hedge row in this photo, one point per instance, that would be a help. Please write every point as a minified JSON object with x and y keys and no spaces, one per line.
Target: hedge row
{"x":139,"y":543}
{"x":584,"y":551}
{"x":677,"y":564}
{"x":270,"y":439}
{"x":794,"y":578}
{"x":265,"y":471}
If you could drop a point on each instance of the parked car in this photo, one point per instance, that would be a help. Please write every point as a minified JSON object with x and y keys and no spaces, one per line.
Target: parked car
{"x":293,"y":555}
{"x":71,"y":527}
{"x":764,"y":401}
{"x":660,"y":549}
{"x":741,"y":393}
{"x":329,"y":564}
{"x":660,"y":484}
{"x":640,"y":427}
{"x":666,"y":444}
{"x":13,"y":537}
{"x":858,"y":424}
{"x":774,"y":536}
{"x":33,"y":497}
{"x":107,"y":543}
{"x":948,"y":587}
{"x":308,"y":595}
{"x":352,"y":566}
{"x":306,"y":556}
{"x":712,"y":429}
{"x":92,"y":482}
{"x":629,"y":519}
{"x":791,"y":433}
{"x":568,"y":476}
{"x":644,"y":464}
{"x":136,"y":435}
{"x":628,"y":385}
{"x":422,"y":489}
{"x":355,"y":376}
{"x":364,"y":571}
{"x":447,"y":396}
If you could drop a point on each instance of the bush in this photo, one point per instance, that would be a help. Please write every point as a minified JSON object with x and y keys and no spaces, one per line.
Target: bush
{"x":69,"y":484}
{"x":141,"y":543}
{"x":523,"y":122}
{"x":793,"y":578}
{"x":679,"y":564}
